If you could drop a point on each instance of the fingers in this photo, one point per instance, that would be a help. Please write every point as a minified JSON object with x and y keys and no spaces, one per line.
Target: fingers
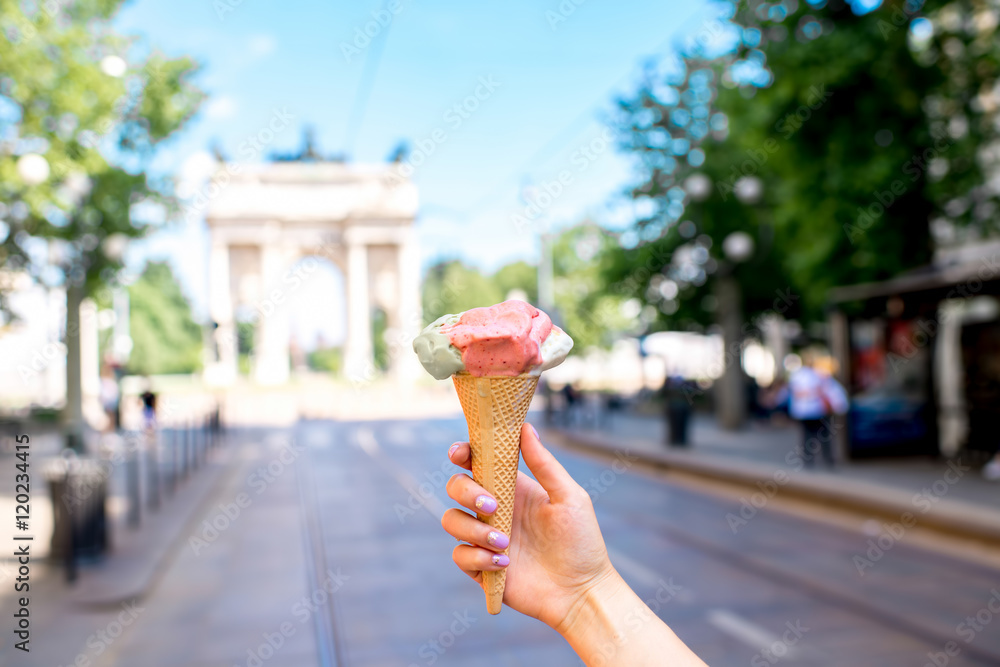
{"x":467,"y":528}
{"x":463,"y":490}
{"x":546,"y":469}
{"x":461,"y":455}
{"x":473,"y":560}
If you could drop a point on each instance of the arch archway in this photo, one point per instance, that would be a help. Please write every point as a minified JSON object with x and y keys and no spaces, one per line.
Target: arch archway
{"x":270,"y":217}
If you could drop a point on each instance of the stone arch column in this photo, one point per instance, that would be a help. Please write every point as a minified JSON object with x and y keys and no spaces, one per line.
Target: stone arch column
{"x":277,"y":212}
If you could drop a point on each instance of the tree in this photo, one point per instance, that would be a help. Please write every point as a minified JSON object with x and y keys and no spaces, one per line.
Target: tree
{"x":518,"y":276}
{"x":591,"y":314}
{"x":452,"y":287}
{"x":81,"y":116}
{"x":824,"y":132}
{"x":821,"y":131}
{"x":165,"y":338}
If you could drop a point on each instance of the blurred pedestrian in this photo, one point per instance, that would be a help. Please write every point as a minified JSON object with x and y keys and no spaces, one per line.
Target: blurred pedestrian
{"x":677,"y":399}
{"x":813,"y":397}
{"x":570,"y":399}
{"x":568,"y":583}
{"x":110,"y":399}
{"x":148,"y":408}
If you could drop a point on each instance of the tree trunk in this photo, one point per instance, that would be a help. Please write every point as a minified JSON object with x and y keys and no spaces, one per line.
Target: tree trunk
{"x":73,"y":412}
{"x":730,"y":389}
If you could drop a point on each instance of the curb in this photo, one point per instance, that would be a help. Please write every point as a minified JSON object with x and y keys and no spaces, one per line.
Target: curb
{"x":952,"y":517}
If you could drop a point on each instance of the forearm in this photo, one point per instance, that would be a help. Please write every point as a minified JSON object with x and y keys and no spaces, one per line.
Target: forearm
{"x":611,"y":626}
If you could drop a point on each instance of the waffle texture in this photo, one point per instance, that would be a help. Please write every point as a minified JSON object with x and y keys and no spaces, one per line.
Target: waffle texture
{"x":495,"y":408}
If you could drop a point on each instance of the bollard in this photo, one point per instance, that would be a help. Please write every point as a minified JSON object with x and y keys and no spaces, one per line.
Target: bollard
{"x":153,"y":464}
{"x":172,"y":457}
{"x":186,"y":459}
{"x":132,"y":486}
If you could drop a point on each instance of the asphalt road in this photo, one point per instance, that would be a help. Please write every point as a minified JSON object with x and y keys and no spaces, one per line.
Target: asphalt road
{"x":327,"y":550}
{"x":778,"y":590}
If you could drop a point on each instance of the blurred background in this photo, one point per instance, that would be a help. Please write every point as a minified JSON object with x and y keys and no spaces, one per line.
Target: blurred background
{"x":223,"y":223}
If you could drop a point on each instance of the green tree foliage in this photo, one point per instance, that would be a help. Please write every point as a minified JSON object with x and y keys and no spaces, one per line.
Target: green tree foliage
{"x":451,"y":287}
{"x":836,"y":138}
{"x":518,"y":276}
{"x":591,"y":314}
{"x":327,"y":359}
{"x":165,"y":338}
{"x":75,"y":93}
{"x":380,"y":348}
{"x":581,"y":255}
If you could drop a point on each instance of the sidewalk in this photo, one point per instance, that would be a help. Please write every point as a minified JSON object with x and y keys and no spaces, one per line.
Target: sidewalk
{"x":941,"y":494}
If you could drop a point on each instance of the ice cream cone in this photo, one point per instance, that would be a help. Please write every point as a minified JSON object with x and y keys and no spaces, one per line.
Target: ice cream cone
{"x":495,"y":408}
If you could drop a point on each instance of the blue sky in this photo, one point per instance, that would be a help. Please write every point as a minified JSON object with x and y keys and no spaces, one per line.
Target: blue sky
{"x":557,"y":82}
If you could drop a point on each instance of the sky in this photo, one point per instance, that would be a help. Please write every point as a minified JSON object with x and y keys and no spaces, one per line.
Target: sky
{"x":548,"y":73}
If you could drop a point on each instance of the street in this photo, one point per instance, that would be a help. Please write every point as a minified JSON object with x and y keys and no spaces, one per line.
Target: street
{"x":322,"y":546}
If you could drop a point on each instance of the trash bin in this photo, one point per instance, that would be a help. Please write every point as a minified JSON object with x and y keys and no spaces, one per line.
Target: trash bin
{"x":79,"y":488}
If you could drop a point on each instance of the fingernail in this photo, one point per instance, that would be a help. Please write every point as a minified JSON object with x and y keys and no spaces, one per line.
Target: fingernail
{"x":501,"y":560}
{"x":452,"y":449}
{"x":535,"y":432}
{"x":498,"y":540}
{"x":486,"y":505}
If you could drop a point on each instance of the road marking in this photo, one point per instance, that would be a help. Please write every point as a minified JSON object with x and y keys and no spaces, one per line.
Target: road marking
{"x":745,"y":631}
{"x":365,"y":437}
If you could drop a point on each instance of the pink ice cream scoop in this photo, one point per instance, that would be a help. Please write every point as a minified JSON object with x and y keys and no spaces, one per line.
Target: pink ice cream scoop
{"x":504,"y":339}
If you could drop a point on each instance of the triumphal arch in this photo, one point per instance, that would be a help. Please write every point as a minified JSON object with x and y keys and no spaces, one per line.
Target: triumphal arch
{"x":265,"y":218}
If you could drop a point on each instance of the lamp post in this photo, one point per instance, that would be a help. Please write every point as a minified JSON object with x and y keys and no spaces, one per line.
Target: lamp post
{"x":737,"y":247}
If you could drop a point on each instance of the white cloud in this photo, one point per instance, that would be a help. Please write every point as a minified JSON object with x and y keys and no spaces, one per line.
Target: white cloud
{"x":221,"y":107}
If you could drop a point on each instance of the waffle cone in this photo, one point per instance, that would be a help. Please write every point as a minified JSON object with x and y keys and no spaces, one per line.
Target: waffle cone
{"x":495,"y":408}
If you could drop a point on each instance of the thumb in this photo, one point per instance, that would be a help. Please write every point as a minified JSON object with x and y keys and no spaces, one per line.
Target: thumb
{"x":546,"y":469}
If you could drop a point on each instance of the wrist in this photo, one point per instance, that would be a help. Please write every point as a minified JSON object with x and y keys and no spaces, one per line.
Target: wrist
{"x":593,"y":612}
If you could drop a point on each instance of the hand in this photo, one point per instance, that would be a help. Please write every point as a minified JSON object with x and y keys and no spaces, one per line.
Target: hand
{"x":557,"y":553}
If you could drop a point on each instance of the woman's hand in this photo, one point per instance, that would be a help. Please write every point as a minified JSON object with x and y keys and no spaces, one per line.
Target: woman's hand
{"x":557,"y":553}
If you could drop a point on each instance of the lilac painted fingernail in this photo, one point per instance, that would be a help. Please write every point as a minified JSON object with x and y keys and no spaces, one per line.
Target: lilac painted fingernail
{"x":486,"y":505}
{"x":498,"y":540}
{"x":535,"y":432}
{"x":452,"y":449}
{"x":501,"y":560}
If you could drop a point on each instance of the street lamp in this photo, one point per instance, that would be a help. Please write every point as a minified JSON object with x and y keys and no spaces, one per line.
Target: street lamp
{"x":698,"y":186}
{"x":33,"y":168}
{"x":738,"y":247}
{"x":749,"y":189}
